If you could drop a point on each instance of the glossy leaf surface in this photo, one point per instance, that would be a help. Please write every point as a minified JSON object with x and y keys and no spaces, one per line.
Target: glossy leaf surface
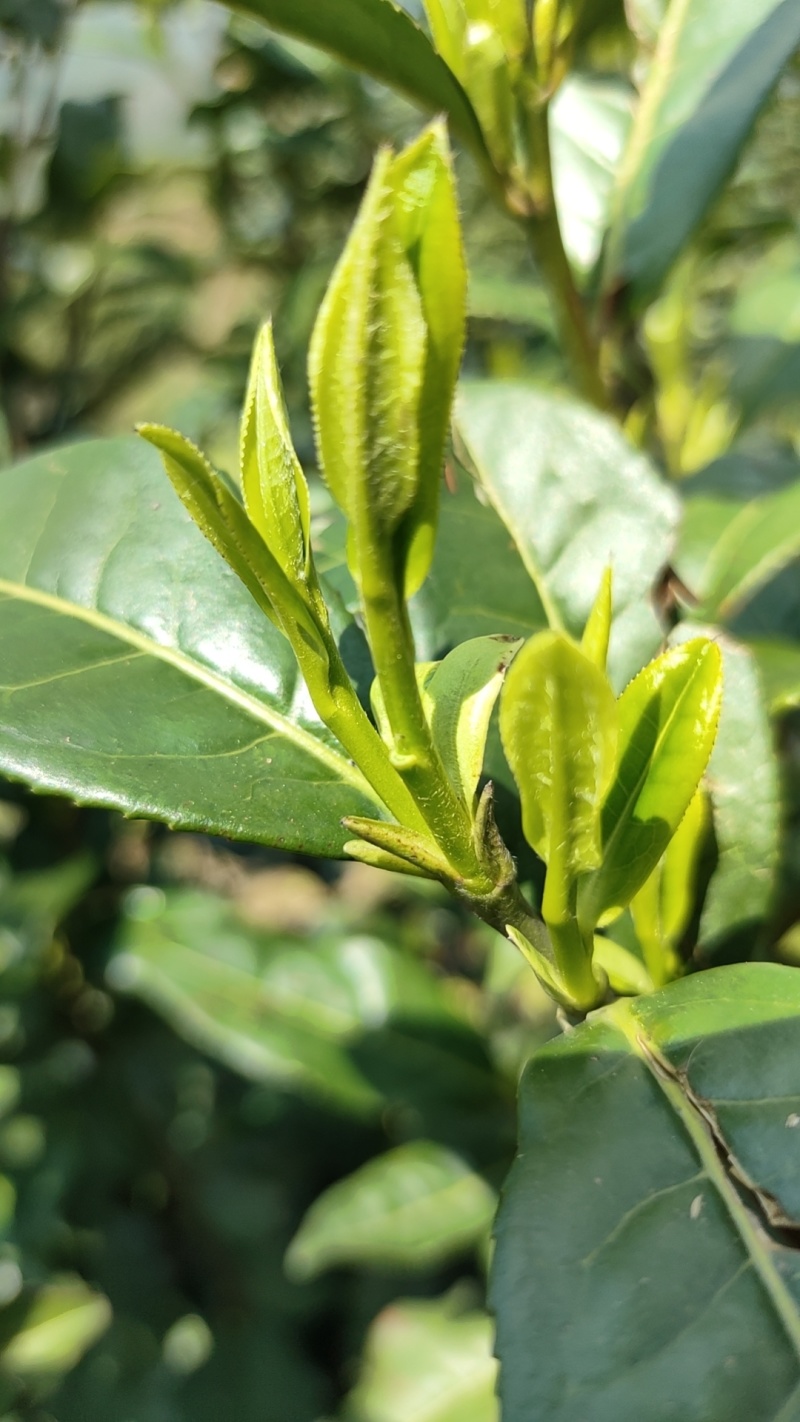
{"x":412,"y":1208}
{"x":380,"y":38}
{"x":712,"y":70}
{"x":575,"y":497}
{"x":589,"y":123}
{"x":668,"y":720}
{"x":631,"y":1277}
{"x":138,"y":673}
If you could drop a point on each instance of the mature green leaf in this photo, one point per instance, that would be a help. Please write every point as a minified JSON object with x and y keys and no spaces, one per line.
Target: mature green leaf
{"x":778,"y":664}
{"x":711,"y":72}
{"x":631,"y":1278}
{"x":764,"y":352}
{"x":589,"y":123}
{"x":138,"y":673}
{"x":558,"y":721}
{"x":761,"y":540}
{"x":459,"y":697}
{"x":453,"y":605}
{"x":668,"y":722}
{"x":743,"y":782}
{"x":412,"y":1208}
{"x":380,"y":38}
{"x":427,"y":1360}
{"x":575,"y":497}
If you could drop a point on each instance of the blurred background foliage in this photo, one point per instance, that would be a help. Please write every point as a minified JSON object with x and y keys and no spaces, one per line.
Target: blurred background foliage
{"x":254,"y":1111}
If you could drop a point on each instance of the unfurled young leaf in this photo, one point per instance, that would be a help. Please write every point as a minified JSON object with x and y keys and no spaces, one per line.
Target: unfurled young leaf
{"x":596,"y":633}
{"x":273,"y":484}
{"x":217,"y":511}
{"x":668,"y":722}
{"x":384,"y":360}
{"x":459,"y":696}
{"x":662,"y":907}
{"x":558,"y":722}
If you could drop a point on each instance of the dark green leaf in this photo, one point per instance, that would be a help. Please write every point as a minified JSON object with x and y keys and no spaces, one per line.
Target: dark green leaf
{"x":758,"y":542}
{"x":412,"y":1208}
{"x":779,"y":668}
{"x":380,"y":38}
{"x":712,"y":70}
{"x":632,"y":1280}
{"x":575,"y":496}
{"x":137,"y":671}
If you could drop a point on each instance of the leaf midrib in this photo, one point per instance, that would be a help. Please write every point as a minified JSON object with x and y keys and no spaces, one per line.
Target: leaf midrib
{"x":697,"y":1128}
{"x":205,"y":676}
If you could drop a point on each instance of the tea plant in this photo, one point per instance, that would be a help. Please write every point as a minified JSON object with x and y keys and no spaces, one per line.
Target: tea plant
{"x":266,"y":684}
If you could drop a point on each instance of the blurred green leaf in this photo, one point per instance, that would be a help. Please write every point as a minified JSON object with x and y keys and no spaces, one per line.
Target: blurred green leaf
{"x":778,"y":665}
{"x":272,"y":1010}
{"x":743,"y":782}
{"x":711,"y":72}
{"x":589,"y":123}
{"x":412,"y":1208}
{"x":754,"y":546}
{"x":380,"y":38}
{"x":64,"y":1320}
{"x":575,"y":497}
{"x":427,"y":1361}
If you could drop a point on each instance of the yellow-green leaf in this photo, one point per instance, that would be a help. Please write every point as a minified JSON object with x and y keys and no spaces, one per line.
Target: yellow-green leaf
{"x":596,"y":633}
{"x":558,"y":722}
{"x":273,"y":484}
{"x":668,"y":722}
{"x":459,"y":697}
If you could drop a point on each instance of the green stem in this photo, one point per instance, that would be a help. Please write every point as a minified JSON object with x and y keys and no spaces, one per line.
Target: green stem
{"x":540,"y":219}
{"x":413,"y":754}
{"x":337,"y":704}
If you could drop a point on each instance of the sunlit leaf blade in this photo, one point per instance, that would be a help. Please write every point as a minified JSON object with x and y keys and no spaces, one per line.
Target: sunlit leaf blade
{"x":427,"y":1359}
{"x":575,"y":496}
{"x":558,"y":721}
{"x":138,"y":673}
{"x":459,"y":698}
{"x":412,"y":1208}
{"x":668,"y":723}
{"x":380,"y":38}
{"x":630,"y":1270}
{"x":589,"y":122}
{"x":711,"y":72}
